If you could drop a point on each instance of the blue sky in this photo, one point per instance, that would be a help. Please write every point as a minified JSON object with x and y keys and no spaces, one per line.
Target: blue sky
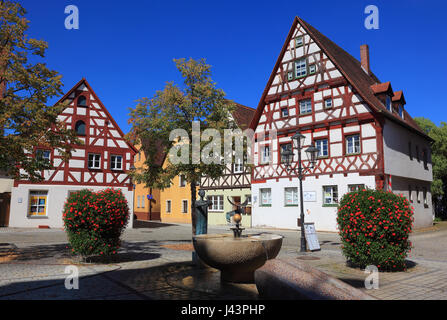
{"x":125,"y":49}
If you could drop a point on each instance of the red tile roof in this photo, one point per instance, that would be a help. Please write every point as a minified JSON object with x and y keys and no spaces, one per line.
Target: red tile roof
{"x":399,"y":96}
{"x":243,"y":115}
{"x":382,"y":87}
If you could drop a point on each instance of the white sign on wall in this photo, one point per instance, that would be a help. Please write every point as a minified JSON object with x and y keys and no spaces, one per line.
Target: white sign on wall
{"x":309,"y":196}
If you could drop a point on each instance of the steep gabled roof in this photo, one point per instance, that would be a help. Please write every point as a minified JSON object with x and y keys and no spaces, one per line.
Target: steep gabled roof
{"x":109,"y":116}
{"x":243,"y":115}
{"x":350,"y":68}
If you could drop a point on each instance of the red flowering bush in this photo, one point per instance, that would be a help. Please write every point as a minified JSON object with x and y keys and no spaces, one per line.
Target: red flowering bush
{"x":94,"y":221}
{"x":374,"y":227}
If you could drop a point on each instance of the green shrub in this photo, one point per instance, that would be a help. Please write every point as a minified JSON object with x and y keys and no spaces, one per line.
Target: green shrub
{"x":94,"y":221}
{"x":374,"y":228}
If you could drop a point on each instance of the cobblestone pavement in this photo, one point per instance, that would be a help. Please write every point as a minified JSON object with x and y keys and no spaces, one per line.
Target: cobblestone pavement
{"x":155,"y":263}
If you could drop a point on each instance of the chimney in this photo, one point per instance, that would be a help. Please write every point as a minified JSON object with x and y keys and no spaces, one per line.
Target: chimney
{"x":364,"y":57}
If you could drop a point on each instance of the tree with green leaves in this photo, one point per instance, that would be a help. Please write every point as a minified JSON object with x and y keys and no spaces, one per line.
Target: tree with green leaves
{"x":439,"y":162}
{"x":155,"y":121}
{"x":26,"y":84}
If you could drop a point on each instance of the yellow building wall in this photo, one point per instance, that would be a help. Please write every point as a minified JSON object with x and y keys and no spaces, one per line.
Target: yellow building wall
{"x":141,"y":202}
{"x":176,"y":194}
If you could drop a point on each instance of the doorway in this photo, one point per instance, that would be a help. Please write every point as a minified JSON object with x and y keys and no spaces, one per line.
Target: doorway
{"x":5,"y":202}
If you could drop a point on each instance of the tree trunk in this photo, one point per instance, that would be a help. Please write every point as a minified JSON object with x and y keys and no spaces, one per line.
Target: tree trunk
{"x":193,"y":209}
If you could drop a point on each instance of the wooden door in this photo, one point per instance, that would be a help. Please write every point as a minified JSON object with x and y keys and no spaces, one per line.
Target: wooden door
{"x":5,"y":200}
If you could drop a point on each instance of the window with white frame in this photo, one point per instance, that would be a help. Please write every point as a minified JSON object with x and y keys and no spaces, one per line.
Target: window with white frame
{"x":116,"y":162}
{"x":38,"y":203}
{"x":238,"y":166}
{"x":322,"y":146}
{"x":217,"y":203}
{"x":388,"y":103}
{"x":138,"y":201}
{"x":291,"y":196}
{"x":182,"y":180}
{"x":300,"y":68}
{"x":330,"y":195}
{"x":298,"y":41}
{"x":355,"y":187}
{"x":184,"y":206}
{"x":424,"y":194}
{"x":285,"y":147}
{"x":142,"y":202}
{"x":265,"y":197}
{"x":417,"y":195}
{"x":312,"y":69}
{"x":305,"y":106}
{"x":401,"y":111}
{"x":265,"y":154}
{"x":94,"y":161}
{"x":410,"y":194}
{"x":328,"y":103}
{"x":168,"y":206}
{"x":353,"y":144}
{"x":284,"y":112}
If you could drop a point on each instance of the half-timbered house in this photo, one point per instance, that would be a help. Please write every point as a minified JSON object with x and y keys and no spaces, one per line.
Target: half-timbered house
{"x":365,"y":137}
{"x":234,"y":183}
{"x":102,"y":161}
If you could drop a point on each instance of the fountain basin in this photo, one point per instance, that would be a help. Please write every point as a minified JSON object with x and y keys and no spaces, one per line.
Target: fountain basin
{"x":237,"y":258}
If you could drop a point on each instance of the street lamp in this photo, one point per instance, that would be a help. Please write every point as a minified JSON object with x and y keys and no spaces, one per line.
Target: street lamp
{"x":311,"y":155}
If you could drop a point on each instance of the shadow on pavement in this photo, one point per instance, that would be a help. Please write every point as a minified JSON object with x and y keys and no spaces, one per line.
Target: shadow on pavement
{"x":157,"y":282}
{"x":139,"y":224}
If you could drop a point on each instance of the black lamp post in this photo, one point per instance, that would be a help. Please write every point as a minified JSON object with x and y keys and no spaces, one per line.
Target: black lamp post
{"x":311,"y":155}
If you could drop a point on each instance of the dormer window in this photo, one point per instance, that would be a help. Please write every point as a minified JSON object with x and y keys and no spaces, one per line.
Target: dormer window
{"x":82,"y":101}
{"x":80,"y":128}
{"x":401,"y":112}
{"x":388,"y":104}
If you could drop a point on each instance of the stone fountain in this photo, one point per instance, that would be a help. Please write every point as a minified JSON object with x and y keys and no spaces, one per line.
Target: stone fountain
{"x":237,"y":256}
